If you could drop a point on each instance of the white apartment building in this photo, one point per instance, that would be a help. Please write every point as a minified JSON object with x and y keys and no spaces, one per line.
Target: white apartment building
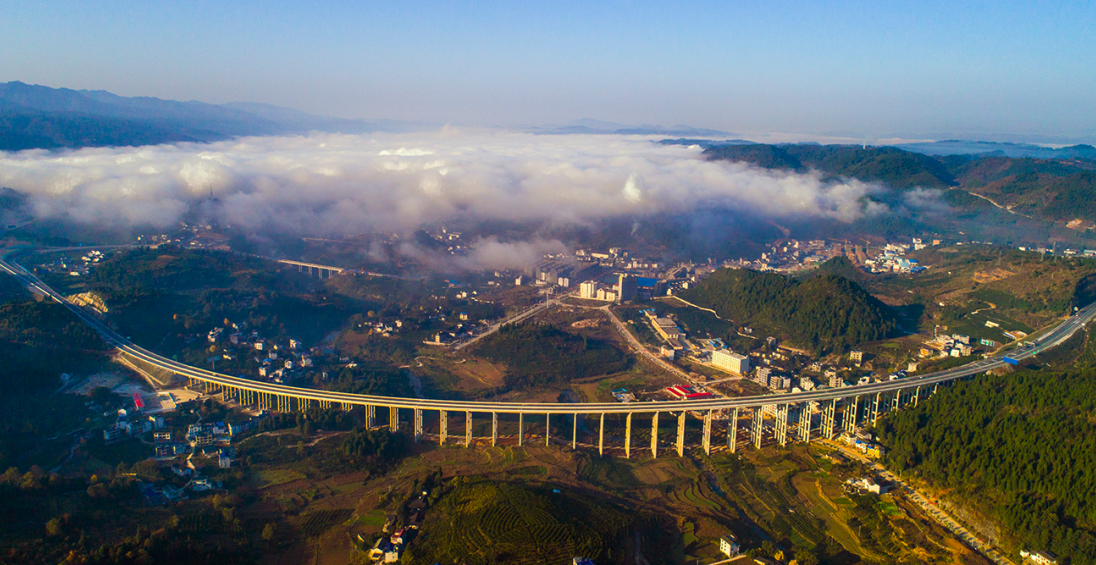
{"x":731,"y":361}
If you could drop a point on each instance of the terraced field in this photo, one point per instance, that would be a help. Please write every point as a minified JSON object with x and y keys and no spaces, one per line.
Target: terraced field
{"x":317,"y":522}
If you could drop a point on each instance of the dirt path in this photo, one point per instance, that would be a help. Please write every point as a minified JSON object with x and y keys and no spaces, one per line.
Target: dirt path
{"x":991,"y":201}
{"x":992,"y":306}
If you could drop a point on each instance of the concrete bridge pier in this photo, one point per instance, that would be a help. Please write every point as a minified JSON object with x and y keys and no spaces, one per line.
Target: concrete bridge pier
{"x":757,"y":426}
{"x":601,"y":438}
{"x":494,"y":429}
{"x":393,"y":419}
{"x":443,"y":429}
{"x":467,"y":429}
{"x":654,"y":436}
{"x":875,"y":408}
{"x":917,"y":395}
{"x":782,"y":424}
{"x":829,"y":414}
{"x":849,"y":412}
{"x":521,"y":429}
{"x":418,"y":424}
{"x":805,"y":423}
{"x":547,"y":429}
{"x":628,"y":436}
{"x":370,"y":416}
{"x":732,"y":431}
{"x":706,"y":441}
{"x":347,"y":407}
{"x":681,"y":434}
{"x":574,"y":432}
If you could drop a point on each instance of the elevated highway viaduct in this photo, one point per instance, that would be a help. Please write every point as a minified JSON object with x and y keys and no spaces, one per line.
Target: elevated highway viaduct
{"x":321,"y":271}
{"x":839,"y":409}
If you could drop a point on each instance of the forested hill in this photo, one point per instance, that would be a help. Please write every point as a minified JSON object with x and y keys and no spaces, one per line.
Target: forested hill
{"x":1021,"y":447}
{"x":895,"y":167}
{"x":1058,"y":189}
{"x":541,"y":355}
{"x":824,"y":313}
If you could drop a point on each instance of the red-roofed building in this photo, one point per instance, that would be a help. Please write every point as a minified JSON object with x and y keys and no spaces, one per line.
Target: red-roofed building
{"x":683,"y":392}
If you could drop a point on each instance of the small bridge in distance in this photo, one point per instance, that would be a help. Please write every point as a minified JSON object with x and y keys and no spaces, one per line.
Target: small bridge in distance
{"x":321,"y":271}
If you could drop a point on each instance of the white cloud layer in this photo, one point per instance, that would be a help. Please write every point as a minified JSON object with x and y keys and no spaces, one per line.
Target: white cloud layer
{"x":342,"y":184}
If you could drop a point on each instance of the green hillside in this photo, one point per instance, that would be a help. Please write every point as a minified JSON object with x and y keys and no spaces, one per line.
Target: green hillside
{"x":1022,"y":446}
{"x":541,"y":355}
{"x":1051,"y":189}
{"x":825,"y":313}
{"x":156,"y":292}
{"x":840,"y":266}
{"x":38,"y":342}
{"x":483,"y":522}
{"x":895,"y":167}
{"x":1074,"y":197}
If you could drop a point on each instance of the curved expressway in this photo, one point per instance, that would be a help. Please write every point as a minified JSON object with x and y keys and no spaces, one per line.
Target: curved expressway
{"x":238,"y":387}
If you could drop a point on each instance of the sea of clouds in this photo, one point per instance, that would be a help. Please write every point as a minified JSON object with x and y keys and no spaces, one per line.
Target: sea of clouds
{"x":333,"y":185}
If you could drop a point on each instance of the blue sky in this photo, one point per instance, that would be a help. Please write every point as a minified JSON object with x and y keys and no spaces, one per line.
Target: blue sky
{"x":859,"y":69}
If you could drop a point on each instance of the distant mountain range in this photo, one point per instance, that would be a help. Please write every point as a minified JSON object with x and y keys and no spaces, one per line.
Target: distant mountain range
{"x":590,"y":126}
{"x":40,"y":117}
{"x":994,"y":149}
